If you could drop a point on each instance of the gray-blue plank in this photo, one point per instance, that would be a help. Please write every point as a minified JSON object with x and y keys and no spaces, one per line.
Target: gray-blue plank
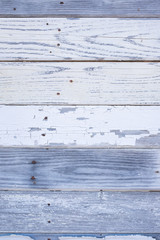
{"x":24,"y":168}
{"x":79,"y":212}
{"x":92,"y":8}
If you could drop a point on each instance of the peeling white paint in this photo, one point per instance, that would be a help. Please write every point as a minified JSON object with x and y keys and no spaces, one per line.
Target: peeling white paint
{"x":120,"y":126}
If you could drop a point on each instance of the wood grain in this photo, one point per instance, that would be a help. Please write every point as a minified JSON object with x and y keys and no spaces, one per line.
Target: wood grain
{"x":70,"y":169}
{"x":31,"y":236}
{"x":80,"y":126}
{"x":80,"y":212}
{"x":80,"y":83}
{"x":79,"y":39}
{"x":102,"y":8}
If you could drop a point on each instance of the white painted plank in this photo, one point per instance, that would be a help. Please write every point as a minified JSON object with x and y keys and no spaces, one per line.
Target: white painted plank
{"x":79,"y":39}
{"x":96,"y":236}
{"x":102,"y":8}
{"x":80,"y":83}
{"x":79,"y":212}
{"x":83,"y":126}
{"x":76,"y":169}
{"x":127,"y":237}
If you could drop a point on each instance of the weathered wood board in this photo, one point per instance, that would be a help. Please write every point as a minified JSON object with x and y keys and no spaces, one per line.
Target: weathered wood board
{"x":31,"y":236}
{"x":79,"y":39}
{"x":79,"y":212}
{"x":99,"y":8}
{"x":80,"y":83}
{"x":76,"y":169}
{"x":80,"y":126}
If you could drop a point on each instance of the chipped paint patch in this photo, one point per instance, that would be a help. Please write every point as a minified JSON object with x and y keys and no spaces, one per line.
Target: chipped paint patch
{"x":34,"y":129}
{"x":82,"y":118}
{"x":15,"y":237}
{"x":67,"y":109}
{"x":129,"y":132}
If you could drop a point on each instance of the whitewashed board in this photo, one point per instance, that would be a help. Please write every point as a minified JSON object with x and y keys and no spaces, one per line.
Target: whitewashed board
{"x":80,"y":126}
{"x":96,"y":236}
{"x":79,"y":212}
{"x":80,"y":83}
{"x":79,"y":39}
{"x":77,"y":169}
{"x":96,"y":8}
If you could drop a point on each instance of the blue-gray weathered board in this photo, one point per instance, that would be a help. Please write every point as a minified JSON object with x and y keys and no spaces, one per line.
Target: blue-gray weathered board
{"x":79,"y":212}
{"x":70,"y":169}
{"x":96,"y":8}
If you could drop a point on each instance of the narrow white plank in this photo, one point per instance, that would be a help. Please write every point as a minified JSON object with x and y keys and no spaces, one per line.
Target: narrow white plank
{"x":79,"y":39}
{"x":80,"y":83}
{"x":98,"y":126}
{"x":96,"y":236}
{"x":79,"y":212}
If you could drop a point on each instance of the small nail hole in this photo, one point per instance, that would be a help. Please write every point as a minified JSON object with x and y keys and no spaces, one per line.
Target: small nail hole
{"x":49,"y":204}
{"x":156,"y":171}
{"x":14,"y":9}
{"x":49,"y":221}
{"x":34,"y":162}
{"x":61,"y":2}
{"x":33,"y":178}
{"x":71,"y":81}
{"x":59,"y":29}
{"x":58,"y":44}
{"x":50,"y":51}
{"x":58,"y":93}
{"x":43,"y":134}
{"x":45,"y":118}
{"x":47,"y":23}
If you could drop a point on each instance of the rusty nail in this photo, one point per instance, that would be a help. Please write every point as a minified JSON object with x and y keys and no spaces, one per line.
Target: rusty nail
{"x":71,"y":81}
{"x":34,"y":162}
{"x":33,"y":178}
{"x":43,"y":134}
{"x":58,"y":93}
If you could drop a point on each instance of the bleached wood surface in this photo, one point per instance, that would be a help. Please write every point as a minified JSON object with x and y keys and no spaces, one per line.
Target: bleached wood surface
{"x":79,"y":39}
{"x":96,"y":236}
{"x":76,"y":169}
{"x":96,"y":8}
{"x":79,"y":212}
{"x":81,"y":126}
{"x":80,"y":83}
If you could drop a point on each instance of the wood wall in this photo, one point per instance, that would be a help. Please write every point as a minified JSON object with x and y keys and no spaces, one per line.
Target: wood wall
{"x":79,"y":120}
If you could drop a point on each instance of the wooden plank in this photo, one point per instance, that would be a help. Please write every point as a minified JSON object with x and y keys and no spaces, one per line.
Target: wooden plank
{"x":70,"y":169}
{"x":31,"y":236}
{"x":80,"y":212}
{"x":80,"y":39}
{"x":83,"y":126}
{"x":103,"y":8}
{"x":80,"y":83}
